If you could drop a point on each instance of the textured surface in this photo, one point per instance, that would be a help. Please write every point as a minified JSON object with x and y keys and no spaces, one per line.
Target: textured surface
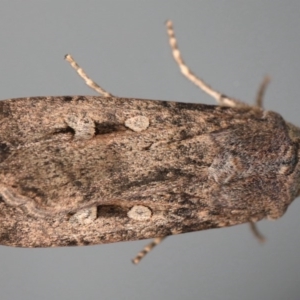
{"x":123,"y":46}
{"x":193,"y":166}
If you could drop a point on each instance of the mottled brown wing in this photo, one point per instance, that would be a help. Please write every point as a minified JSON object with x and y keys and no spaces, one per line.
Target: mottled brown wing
{"x":193,"y":166}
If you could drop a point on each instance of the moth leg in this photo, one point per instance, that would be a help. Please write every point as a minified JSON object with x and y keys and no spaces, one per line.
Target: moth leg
{"x":261,"y":92}
{"x":256,"y":232}
{"x":147,"y":249}
{"x":87,"y":80}
{"x":220,"y":98}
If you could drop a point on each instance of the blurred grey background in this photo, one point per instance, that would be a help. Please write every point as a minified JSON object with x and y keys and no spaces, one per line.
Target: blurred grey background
{"x":123,"y":46}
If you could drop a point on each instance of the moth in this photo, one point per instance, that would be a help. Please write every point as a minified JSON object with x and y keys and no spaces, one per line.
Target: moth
{"x":86,"y":170}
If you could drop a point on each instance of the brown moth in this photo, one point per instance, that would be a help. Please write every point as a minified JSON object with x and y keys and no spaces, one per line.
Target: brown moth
{"x":86,"y":170}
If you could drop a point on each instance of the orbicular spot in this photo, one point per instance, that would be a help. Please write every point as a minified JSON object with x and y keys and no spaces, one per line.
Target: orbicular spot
{"x":138,"y":123}
{"x":84,"y":216}
{"x":83,"y":126}
{"x":139,"y":213}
